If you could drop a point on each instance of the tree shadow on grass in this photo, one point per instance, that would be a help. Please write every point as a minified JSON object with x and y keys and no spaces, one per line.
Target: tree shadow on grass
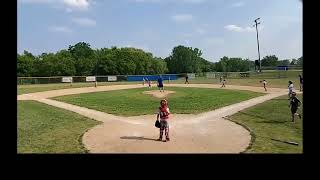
{"x":137,"y":138}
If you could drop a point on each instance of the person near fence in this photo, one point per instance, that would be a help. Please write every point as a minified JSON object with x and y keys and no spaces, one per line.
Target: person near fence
{"x":148,"y":82}
{"x":224,"y":83}
{"x":163,"y":114}
{"x":264,"y":85}
{"x":294,"y":105}
{"x":301,"y":82}
{"x":187,"y":77}
{"x":291,"y":88}
{"x":160,"y":84}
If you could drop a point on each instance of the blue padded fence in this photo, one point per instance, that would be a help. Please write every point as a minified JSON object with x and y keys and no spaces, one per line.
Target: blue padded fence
{"x":152,"y":77}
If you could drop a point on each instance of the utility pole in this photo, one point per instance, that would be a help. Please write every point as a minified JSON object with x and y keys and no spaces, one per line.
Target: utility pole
{"x":256,"y":25}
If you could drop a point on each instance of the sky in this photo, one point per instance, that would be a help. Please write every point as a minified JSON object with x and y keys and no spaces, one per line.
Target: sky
{"x":217,"y":27}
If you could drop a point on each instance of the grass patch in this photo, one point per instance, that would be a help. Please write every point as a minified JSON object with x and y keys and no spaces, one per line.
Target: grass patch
{"x":272,"y":83}
{"x":270,"y":77}
{"x":24,"y":89}
{"x":272,"y":119}
{"x":46,"y":129}
{"x":133,"y":102}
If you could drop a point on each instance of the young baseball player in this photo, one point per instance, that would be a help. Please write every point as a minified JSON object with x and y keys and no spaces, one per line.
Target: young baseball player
{"x":294,"y":105}
{"x":223,"y":83}
{"x":301,"y":82}
{"x":160,"y":84}
{"x":187,"y":77}
{"x":149,"y":83}
{"x":264,"y":82}
{"x":290,"y":87}
{"x":163,"y":114}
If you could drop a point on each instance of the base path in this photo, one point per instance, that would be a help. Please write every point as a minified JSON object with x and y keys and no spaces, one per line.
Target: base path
{"x":202,"y":133}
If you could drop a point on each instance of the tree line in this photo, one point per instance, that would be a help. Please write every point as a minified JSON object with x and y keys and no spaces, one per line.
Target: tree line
{"x":81,"y":60}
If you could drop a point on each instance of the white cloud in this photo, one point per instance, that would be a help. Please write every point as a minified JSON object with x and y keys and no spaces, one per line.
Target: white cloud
{"x":62,"y":29}
{"x":84,"y":21}
{"x":171,"y":1}
{"x":236,"y":28}
{"x":35,"y":1}
{"x":237,"y":4}
{"x":69,"y":4}
{"x":147,"y":1}
{"x":78,"y":4}
{"x":182,"y":18}
{"x":194,"y":1}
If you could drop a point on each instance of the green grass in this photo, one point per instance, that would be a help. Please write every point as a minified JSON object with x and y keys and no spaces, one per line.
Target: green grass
{"x":46,"y":129}
{"x":272,"y":119}
{"x":272,"y":83}
{"x":23,"y":89}
{"x":133,"y":102}
{"x":253,"y":81}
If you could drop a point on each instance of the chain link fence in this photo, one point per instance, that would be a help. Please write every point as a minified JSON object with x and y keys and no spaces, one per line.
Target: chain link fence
{"x":267,"y":74}
{"x":58,"y":79}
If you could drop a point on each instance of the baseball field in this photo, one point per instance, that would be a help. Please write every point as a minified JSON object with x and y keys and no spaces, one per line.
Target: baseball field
{"x":119,"y":118}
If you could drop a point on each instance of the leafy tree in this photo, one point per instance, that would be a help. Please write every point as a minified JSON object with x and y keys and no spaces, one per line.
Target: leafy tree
{"x":284,"y":62}
{"x":300,"y":61}
{"x":294,"y":62}
{"x":269,"y":61}
{"x":83,"y":56}
{"x":25,"y":64}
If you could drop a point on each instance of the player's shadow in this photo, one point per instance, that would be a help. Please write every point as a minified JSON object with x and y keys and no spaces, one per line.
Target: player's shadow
{"x":137,"y":138}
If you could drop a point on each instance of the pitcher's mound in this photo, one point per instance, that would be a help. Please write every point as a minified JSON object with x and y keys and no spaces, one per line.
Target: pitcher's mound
{"x":158,"y":94}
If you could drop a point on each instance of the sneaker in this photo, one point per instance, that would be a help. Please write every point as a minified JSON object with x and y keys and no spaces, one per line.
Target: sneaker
{"x":159,"y":139}
{"x":168,"y":139}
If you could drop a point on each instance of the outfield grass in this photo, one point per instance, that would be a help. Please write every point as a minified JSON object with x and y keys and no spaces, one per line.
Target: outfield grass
{"x":46,"y":129}
{"x":272,"y":83}
{"x":253,"y":80}
{"x":272,"y":119}
{"x":23,"y":89}
{"x":133,"y":102}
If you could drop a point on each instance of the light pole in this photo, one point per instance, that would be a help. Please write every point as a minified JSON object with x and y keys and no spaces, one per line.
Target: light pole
{"x":256,"y":25}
